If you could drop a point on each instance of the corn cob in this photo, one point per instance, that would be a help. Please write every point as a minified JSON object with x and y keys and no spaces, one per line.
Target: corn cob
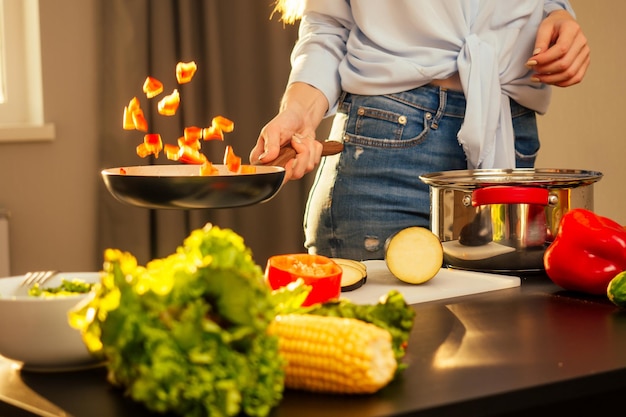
{"x":334,"y":354}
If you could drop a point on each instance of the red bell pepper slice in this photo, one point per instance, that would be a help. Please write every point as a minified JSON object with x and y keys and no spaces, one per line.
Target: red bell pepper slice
{"x":194,"y":144}
{"x":168,"y":105}
{"x":192,"y":134}
{"x":171,"y":151}
{"x":207,"y":168}
{"x":212,"y":133}
{"x":152,"y":145}
{"x":587,"y":252}
{"x":232,"y":161}
{"x":152,"y":87}
{"x":185,"y":71}
{"x":142,"y":150}
{"x":189,"y":155}
{"x":127,"y":121}
{"x":133,"y":116}
{"x":247,"y":169}
{"x":139,"y":120}
{"x":219,"y":125}
{"x":226,"y":125}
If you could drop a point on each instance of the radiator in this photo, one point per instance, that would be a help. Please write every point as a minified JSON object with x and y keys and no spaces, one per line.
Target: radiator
{"x":4,"y":243}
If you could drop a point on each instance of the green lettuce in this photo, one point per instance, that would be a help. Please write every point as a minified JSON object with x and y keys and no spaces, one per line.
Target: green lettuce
{"x":187,"y":333}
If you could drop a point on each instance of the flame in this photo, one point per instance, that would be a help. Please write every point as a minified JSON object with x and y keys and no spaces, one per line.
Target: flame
{"x":290,"y":10}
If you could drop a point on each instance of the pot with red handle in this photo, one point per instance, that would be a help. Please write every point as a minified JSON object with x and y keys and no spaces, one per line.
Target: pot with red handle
{"x":497,"y":220}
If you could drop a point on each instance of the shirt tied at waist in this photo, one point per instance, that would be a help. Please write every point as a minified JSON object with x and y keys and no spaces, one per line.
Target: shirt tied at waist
{"x":487,"y":132}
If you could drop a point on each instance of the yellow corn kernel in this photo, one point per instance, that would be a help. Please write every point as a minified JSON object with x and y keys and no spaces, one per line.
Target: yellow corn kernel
{"x":334,"y":354}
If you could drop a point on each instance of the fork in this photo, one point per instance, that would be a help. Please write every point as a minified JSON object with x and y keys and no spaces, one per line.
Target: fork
{"x":37,"y":277}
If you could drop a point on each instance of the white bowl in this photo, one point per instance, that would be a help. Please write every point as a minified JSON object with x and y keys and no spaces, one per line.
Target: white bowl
{"x":36,"y":331}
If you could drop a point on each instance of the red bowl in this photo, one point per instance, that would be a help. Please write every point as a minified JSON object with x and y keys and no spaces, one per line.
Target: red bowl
{"x":320,"y":272}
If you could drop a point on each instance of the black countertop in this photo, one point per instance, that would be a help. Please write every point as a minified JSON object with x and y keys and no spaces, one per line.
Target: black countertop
{"x":501,"y":353}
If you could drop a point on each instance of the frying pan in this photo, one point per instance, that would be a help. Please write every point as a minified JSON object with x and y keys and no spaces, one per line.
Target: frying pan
{"x":182,"y":187}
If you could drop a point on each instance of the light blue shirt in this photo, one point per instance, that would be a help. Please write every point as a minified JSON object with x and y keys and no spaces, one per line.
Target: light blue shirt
{"x":374,"y":47}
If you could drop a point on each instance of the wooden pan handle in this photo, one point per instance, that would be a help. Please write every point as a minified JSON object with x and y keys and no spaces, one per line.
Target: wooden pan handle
{"x":287,"y":153}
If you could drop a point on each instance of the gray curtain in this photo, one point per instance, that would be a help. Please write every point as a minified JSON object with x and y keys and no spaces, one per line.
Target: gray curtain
{"x":243,"y":65}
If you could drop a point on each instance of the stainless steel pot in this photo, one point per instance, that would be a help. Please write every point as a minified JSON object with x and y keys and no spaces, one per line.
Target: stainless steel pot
{"x":502,"y":221}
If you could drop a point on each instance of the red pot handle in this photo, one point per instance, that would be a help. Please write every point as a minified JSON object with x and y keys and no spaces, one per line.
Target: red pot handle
{"x":509,"y":195}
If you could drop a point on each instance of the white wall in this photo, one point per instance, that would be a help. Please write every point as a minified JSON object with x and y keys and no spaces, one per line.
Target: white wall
{"x":49,"y":188}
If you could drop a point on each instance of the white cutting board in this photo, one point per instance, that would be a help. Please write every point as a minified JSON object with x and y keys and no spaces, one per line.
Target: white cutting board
{"x":447,"y":283}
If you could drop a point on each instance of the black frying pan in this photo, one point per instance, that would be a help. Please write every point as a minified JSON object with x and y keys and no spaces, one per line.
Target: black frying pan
{"x":181,"y":186}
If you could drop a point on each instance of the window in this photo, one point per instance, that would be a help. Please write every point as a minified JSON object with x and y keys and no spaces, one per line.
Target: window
{"x":3,"y":80}
{"x":21,"y":90}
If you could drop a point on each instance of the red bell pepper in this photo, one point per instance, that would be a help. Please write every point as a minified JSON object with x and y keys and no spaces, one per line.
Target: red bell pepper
{"x":168,"y":105}
{"x":185,"y":71}
{"x":127,"y":122}
{"x":247,"y":169}
{"x":321,"y":273}
{"x":171,"y":151}
{"x":152,"y":87}
{"x":219,"y":125}
{"x":152,"y":145}
{"x":192,"y":134}
{"x":189,"y":155}
{"x":133,"y":116}
{"x":223,"y":123}
{"x":212,"y":133}
{"x":139,"y":120}
{"x":207,"y":168}
{"x":587,"y":252}
{"x":188,"y":149}
{"x":231,"y":160}
{"x":193,"y":144}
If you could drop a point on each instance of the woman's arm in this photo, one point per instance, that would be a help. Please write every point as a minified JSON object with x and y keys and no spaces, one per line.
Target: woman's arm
{"x":312,"y":90}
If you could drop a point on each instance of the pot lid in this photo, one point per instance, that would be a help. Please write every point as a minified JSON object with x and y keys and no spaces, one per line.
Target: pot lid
{"x":546,"y":177}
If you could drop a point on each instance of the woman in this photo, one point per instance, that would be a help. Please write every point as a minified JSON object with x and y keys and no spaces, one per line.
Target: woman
{"x":415,"y":86}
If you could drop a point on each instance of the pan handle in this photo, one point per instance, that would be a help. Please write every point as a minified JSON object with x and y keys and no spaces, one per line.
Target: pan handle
{"x":287,"y":153}
{"x":509,"y":195}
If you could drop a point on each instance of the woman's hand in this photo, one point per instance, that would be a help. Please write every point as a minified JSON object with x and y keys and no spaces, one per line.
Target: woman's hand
{"x":561,"y":55}
{"x":302,"y":109}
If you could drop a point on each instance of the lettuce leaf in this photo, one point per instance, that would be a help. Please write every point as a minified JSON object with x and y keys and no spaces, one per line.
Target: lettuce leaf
{"x":187,"y":333}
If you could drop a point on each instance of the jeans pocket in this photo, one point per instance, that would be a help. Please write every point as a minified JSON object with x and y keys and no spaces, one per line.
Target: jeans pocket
{"x":379,"y":124}
{"x":384,"y":123}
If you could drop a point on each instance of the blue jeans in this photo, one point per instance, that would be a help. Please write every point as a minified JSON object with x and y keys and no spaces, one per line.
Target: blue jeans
{"x":372,"y":189}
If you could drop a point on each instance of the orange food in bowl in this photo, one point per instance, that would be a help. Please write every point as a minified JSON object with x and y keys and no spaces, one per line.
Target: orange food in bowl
{"x":320,"y":272}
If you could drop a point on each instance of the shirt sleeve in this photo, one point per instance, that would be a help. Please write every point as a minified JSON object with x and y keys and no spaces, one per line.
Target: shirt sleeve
{"x":321,"y":47}
{"x":550,"y":6}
